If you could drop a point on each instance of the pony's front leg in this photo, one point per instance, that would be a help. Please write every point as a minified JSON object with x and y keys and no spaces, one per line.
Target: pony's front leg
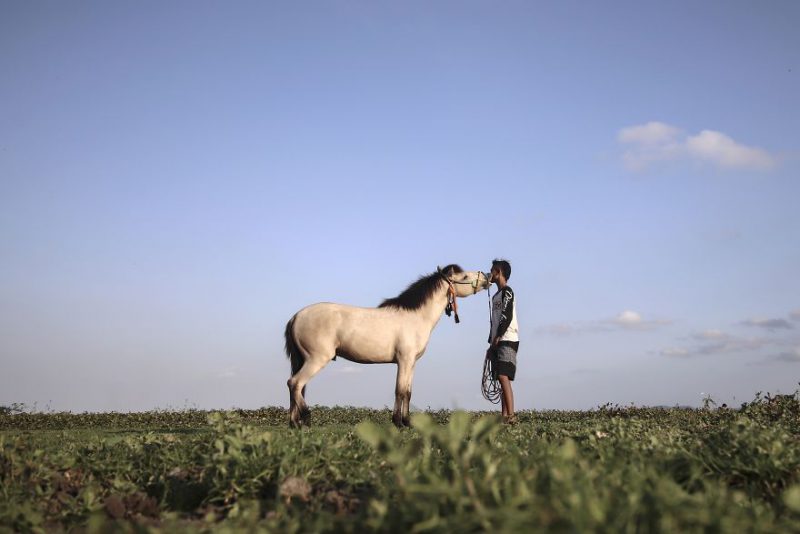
{"x":407,"y":401}
{"x":402,"y":392}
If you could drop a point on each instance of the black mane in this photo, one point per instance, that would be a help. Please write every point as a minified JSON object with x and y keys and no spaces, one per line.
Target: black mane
{"x":419,"y":292}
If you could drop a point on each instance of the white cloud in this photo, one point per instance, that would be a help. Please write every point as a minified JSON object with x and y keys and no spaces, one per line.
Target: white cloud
{"x":626,"y":320}
{"x":714,"y":335}
{"x":795,"y":315}
{"x":631,"y":320}
{"x":657,"y":142}
{"x":676,"y":352}
{"x":653,"y":133}
{"x":559,"y":329}
{"x":732,"y":344}
{"x":716,"y":342}
{"x":769,"y":324}
{"x":649,"y":143}
{"x":792,"y":356}
{"x":231,"y":372}
{"x":721,"y":150}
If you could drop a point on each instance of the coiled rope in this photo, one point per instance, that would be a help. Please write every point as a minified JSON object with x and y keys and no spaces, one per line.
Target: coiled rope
{"x":490,"y":386}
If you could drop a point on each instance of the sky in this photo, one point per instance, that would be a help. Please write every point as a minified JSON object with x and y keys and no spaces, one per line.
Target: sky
{"x":177,"y":179}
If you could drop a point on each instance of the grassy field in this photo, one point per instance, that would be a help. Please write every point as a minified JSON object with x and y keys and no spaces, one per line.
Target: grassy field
{"x":614,"y":469}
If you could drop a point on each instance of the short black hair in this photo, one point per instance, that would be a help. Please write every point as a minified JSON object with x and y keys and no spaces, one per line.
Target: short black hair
{"x":504,"y":266}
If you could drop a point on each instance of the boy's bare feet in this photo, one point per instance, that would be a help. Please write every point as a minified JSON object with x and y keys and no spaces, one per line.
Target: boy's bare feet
{"x":510,"y":419}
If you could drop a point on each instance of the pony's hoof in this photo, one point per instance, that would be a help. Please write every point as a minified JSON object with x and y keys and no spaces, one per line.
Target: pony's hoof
{"x":305,"y":417}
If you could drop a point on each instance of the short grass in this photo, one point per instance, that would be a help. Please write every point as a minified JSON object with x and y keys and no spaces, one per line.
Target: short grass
{"x":614,"y":469}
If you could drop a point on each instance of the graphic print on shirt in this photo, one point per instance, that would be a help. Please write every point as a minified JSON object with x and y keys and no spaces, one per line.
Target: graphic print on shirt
{"x":504,"y":316}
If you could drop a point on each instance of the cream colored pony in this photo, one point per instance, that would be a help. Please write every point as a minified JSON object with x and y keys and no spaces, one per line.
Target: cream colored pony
{"x":397,"y":331}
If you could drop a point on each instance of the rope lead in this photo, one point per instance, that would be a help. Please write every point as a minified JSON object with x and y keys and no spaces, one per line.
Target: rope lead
{"x":490,"y":386}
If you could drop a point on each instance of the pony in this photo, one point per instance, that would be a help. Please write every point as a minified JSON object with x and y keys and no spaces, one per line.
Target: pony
{"x":397,"y":331}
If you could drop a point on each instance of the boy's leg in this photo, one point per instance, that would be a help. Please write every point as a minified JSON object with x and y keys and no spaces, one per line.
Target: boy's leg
{"x":507,"y":396}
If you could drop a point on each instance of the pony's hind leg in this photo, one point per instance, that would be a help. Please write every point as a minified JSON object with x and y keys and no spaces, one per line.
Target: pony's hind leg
{"x":299,"y":414}
{"x":294,"y":407}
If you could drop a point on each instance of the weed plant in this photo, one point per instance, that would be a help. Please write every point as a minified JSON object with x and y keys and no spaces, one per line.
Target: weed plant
{"x":613,"y":469}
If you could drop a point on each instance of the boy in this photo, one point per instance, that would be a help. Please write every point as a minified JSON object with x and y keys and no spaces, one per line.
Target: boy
{"x":504,"y":336}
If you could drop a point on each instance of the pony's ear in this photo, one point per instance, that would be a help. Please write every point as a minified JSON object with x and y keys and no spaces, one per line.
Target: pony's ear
{"x":438,"y":269}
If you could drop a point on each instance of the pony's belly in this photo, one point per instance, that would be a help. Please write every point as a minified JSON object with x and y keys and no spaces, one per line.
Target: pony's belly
{"x":366,"y":347}
{"x":367,"y":339}
{"x":360,"y":359}
{"x":361,"y":356}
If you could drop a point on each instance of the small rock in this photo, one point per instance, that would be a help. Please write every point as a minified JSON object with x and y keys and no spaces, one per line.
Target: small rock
{"x":180,"y":474}
{"x":114,"y":506}
{"x":143,"y":504}
{"x":295,"y":487}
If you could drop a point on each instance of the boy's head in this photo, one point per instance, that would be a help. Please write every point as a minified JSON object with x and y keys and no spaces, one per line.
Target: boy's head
{"x":501,"y":267}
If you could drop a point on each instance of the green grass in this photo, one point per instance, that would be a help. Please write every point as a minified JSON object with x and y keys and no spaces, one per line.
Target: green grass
{"x":608,"y":470}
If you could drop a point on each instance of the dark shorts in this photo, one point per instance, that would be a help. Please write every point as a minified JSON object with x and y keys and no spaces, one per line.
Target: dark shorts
{"x":500,"y":367}
{"x":504,"y":361}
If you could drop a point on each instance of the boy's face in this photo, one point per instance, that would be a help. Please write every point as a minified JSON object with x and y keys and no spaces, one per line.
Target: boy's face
{"x":496,"y":274}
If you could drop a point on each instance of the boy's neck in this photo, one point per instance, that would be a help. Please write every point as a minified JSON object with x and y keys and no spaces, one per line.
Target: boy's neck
{"x":501,"y":284}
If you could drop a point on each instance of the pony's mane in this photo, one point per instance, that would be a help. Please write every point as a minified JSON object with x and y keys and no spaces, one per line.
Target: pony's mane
{"x":418,"y":293}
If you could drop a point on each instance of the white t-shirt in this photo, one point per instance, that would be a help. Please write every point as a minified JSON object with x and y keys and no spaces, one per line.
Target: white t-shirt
{"x":504,"y":316}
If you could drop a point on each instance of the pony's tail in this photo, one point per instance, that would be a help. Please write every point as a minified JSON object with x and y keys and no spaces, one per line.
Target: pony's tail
{"x":291,"y":348}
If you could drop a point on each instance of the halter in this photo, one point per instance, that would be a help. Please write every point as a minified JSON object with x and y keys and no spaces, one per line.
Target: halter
{"x":473,"y":284}
{"x":452,"y":303}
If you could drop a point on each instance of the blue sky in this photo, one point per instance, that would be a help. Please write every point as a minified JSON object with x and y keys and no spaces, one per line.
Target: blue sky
{"x":177,"y":179}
